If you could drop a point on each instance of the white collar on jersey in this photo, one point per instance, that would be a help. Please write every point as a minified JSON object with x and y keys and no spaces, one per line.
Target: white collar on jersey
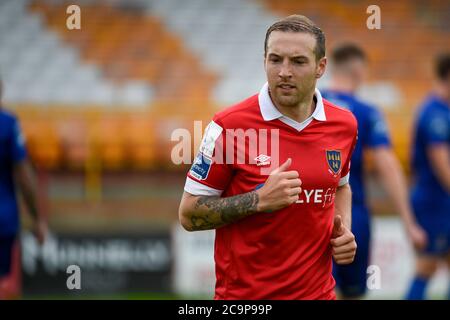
{"x":270,"y":112}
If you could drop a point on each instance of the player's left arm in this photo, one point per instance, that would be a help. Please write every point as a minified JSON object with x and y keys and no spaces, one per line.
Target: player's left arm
{"x":343,"y":205}
{"x":342,"y":239}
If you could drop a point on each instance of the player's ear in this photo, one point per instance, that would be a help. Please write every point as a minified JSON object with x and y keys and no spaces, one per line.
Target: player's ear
{"x":321,"y":66}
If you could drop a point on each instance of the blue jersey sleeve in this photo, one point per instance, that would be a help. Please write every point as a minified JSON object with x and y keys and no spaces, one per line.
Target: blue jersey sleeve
{"x":378,"y":133}
{"x":18,"y":150}
{"x":436,"y":128}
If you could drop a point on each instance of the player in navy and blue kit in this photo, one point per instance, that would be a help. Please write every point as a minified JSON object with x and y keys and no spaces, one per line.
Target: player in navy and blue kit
{"x":430,"y":194}
{"x":348,"y":72}
{"x":15,"y":170}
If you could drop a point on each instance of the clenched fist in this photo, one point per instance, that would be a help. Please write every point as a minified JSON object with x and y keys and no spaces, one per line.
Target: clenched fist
{"x":280,"y":190}
{"x":343,"y":243}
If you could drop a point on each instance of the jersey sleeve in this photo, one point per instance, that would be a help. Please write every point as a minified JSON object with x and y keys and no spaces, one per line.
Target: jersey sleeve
{"x":345,"y":172}
{"x":17,"y":143}
{"x":436,"y":129}
{"x":210,"y":174}
{"x":378,"y":133}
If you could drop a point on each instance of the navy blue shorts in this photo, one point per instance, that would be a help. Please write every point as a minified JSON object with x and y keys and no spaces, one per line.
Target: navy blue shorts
{"x":6,"y":251}
{"x":435,"y":220}
{"x":351,"y":279}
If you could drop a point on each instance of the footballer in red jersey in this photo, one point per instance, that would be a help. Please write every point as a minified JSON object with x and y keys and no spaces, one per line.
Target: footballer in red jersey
{"x":271,"y":177}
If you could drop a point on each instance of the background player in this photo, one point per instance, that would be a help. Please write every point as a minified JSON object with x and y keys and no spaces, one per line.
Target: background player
{"x":349,"y":64}
{"x":431,"y":167}
{"x":15,"y":170}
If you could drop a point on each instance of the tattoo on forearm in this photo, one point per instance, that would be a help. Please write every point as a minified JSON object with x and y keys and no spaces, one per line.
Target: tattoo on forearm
{"x":221,"y":211}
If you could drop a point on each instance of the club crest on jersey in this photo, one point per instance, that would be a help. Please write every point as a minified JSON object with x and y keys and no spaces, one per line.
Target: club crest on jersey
{"x":334,"y":161}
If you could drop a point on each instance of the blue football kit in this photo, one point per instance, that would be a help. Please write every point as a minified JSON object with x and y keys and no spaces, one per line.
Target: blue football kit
{"x":12,"y":151}
{"x":372,"y":133}
{"x":430,"y":200}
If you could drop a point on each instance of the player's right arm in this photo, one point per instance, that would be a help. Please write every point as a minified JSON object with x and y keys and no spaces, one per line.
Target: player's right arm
{"x":439,"y":155}
{"x":393,"y":180}
{"x":200,"y":212}
{"x":391,"y":176}
{"x":24,"y":177}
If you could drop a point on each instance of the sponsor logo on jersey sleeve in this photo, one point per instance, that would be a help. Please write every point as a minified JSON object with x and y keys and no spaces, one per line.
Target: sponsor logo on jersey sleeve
{"x":201,"y":167}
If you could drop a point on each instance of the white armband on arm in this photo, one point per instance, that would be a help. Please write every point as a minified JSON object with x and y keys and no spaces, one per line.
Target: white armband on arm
{"x":198,"y":189}
{"x":344,"y":180}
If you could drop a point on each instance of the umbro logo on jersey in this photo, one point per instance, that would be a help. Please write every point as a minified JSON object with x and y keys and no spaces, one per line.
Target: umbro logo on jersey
{"x":262,"y":160}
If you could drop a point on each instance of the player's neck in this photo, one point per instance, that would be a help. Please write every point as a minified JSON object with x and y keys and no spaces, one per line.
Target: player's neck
{"x":302,"y":111}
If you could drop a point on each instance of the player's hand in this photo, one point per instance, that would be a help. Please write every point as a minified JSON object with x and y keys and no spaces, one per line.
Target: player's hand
{"x":280,"y":190}
{"x":40,"y":230}
{"x":342,"y":242}
{"x":417,"y":235}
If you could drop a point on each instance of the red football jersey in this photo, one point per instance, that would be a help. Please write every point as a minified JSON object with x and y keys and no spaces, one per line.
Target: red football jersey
{"x":284,"y":254}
